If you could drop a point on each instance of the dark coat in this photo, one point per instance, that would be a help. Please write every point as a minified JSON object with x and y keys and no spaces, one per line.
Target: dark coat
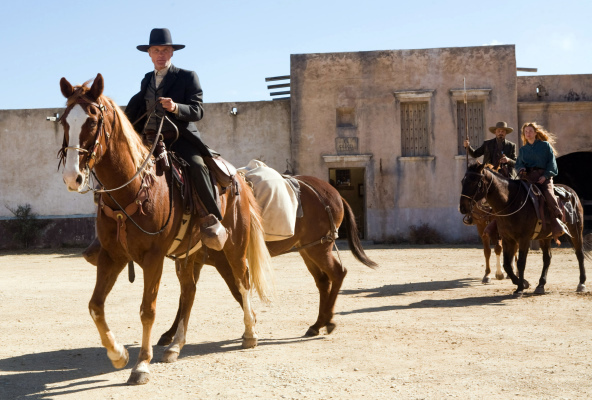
{"x":488,"y":149}
{"x":183,"y":87}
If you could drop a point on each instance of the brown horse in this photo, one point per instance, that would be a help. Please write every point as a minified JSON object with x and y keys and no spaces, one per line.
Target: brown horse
{"x":517,"y":222}
{"x":323,"y":212}
{"x":140,"y":215}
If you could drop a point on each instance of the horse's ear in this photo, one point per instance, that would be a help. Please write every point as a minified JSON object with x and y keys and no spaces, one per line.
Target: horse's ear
{"x":66,"y":88}
{"x":480,"y":167}
{"x":96,"y":90}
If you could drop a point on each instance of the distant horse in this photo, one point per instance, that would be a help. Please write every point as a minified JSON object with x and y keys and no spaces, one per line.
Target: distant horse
{"x":140,"y":214}
{"x":323,"y":212}
{"x":480,"y":216}
{"x":517,"y":221}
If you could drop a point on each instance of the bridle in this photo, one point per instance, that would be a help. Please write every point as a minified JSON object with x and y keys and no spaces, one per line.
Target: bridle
{"x":480,"y":185}
{"x":92,"y":159}
{"x":96,"y":151}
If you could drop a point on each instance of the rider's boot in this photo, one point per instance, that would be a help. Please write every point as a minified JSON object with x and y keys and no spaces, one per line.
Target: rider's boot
{"x":213,"y":233}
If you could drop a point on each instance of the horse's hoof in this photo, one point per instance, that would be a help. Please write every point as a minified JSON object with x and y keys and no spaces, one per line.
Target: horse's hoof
{"x":486,"y":280}
{"x":581,"y":288}
{"x":539,"y":290}
{"x":121,"y":362}
{"x":500,"y":277}
{"x":164,"y":340}
{"x":249,"y":343}
{"x":138,"y":378}
{"x":526,"y":284}
{"x":312,"y":332}
{"x":170,"y":356}
{"x":330,"y":327}
{"x":518,"y":294}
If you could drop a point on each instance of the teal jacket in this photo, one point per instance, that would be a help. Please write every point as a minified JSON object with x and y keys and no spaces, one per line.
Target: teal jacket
{"x":537,"y":155}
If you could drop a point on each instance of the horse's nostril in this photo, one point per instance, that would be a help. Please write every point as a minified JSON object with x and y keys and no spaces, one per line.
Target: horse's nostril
{"x":79,"y":180}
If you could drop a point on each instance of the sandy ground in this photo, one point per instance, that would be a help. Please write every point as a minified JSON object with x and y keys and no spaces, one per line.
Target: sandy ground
{"x":421,"y":327}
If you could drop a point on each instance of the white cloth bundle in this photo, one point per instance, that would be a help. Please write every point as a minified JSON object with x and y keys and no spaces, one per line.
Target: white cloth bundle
{"x":276,"y":198}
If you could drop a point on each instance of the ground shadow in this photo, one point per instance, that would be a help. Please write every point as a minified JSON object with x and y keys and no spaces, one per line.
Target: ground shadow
{"x":30,"y":375}
{"x":200,"y":349}
{"x":448,"y":303}
{"x":412,"y":287}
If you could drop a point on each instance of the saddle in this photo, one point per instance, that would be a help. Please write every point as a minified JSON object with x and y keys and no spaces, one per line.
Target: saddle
{"x":221,"y":172}
{"x":540,"y":205}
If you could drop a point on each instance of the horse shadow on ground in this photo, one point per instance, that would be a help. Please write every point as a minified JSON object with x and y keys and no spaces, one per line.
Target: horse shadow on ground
{"x":48,"y":375}
{"x":412,"y":287}
{"x":401,"y":289}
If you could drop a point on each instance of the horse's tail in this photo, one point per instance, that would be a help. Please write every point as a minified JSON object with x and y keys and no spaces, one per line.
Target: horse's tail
{"x":261,"y":273}
{"x":352,"y":237}
{"x":587,"y":246}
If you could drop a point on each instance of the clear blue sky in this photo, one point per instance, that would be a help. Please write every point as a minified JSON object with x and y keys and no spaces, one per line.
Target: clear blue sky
{"x":234,"y":45}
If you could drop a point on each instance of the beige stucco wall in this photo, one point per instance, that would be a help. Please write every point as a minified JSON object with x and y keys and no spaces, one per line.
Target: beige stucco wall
{"x":400,"y":191}
{"x":28,"y":165}
{"x":29,"y":145}
{"x":559,"y":111}
{"x":261,"y":129}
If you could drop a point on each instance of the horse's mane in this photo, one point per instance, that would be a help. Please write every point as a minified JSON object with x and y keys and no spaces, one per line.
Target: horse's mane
{"x":476,"y":167}
{"x":138,"y":151}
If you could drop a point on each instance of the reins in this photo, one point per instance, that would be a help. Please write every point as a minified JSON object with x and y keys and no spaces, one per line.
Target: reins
{"x":495,"y":214}
{"x":92,"y":161}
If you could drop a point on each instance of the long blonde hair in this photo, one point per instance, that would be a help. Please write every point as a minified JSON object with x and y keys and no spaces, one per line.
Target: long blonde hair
{"x":541,"y":134}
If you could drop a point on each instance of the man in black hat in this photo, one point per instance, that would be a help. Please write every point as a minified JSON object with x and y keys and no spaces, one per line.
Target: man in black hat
{"x":173,"y":98}
{"x":498,"y":151}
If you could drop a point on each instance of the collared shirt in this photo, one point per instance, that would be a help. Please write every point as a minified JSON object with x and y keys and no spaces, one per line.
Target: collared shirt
{"x":537,"y":155}
{"x":159,"y":75}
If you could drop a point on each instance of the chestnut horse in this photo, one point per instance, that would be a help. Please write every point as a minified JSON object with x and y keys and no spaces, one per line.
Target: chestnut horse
{"x":323,"y":212}
{"x":517,"y":219}
{"x":139,"y":216}
{"x":480,"y":216}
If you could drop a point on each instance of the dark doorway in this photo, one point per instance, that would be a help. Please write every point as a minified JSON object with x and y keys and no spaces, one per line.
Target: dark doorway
{"x":351,"y":186}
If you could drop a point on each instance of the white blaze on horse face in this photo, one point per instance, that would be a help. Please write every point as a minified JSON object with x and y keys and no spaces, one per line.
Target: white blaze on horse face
{"x":72,"y":176}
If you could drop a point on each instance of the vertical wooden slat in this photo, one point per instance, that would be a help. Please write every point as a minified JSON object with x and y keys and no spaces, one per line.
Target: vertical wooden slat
{"x":475,"y":122}
{"x":414,"y":129}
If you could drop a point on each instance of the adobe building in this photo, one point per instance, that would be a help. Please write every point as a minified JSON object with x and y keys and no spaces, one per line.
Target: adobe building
{"x":385,"y":127}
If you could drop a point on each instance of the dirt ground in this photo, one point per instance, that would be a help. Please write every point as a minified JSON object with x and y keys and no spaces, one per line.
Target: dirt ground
{"x":420,"y":327}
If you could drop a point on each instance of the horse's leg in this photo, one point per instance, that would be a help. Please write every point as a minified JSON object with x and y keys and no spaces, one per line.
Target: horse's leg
{"x":167,"y":337}
{"x":152,"y":266}
{"x":107,"y":273}
{"x":577,"y":242}
{"x":487,"y":253}
{"x":185,"y":273}
{"x":499,"y":273}
{"x":546,"y":249}
{"x":523,"y":248}
{"x":328,"y":274}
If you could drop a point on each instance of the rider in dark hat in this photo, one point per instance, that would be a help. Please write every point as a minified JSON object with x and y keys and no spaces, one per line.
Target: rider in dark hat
{"x":173,"y":97}
{"x":498,"y":151}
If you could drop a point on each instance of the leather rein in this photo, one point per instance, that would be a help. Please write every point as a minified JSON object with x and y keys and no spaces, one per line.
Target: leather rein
{"x":481,"y":185}
{"x":124,"y":212}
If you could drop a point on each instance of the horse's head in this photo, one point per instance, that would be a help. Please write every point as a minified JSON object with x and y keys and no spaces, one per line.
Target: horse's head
{"x":85,"y":137}
{"x":473,"y":187}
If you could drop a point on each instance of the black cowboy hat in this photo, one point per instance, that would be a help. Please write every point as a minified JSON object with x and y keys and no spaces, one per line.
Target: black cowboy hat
{"x":160,"y":37}
{"x":502,"y":125}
